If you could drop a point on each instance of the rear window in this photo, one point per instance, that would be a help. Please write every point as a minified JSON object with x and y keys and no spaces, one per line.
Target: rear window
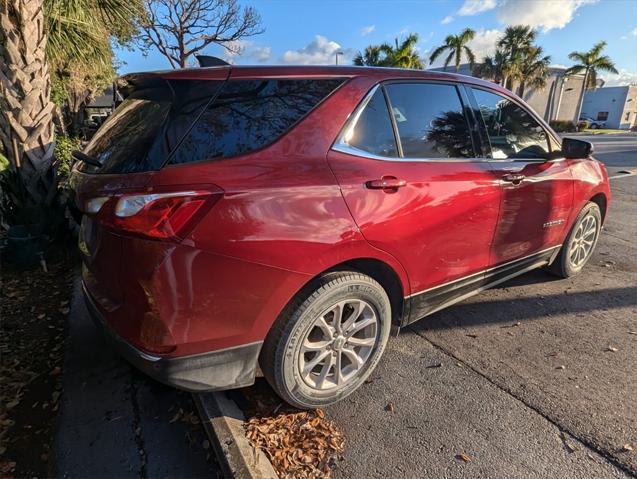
{"x":147,"y":127}
{"x":250,"y":114}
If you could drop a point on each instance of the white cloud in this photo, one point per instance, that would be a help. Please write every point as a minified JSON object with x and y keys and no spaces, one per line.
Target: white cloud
{"x":543,"y":14}
{"x":247,"y":50}
{"x":634,"y":32}
{"x":473,"y":7}
{"x":484,"y":43}
{"x":319,"y":51}
{"x":447,"y":19}
{"x":367,"y":30}
{"x":624,"y":77}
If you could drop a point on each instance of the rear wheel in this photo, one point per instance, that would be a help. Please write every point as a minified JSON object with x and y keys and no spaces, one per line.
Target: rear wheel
{"x":328,"y":340}
{"x":580,"y":242}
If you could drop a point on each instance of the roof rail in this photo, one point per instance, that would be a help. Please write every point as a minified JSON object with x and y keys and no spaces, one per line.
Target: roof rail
{"x":210,"y":61}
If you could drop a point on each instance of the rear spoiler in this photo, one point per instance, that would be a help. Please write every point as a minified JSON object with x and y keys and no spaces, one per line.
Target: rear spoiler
{"x":125,"y":85}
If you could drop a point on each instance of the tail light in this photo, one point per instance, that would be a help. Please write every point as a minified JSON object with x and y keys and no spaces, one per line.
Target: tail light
{"x":163,"y":215}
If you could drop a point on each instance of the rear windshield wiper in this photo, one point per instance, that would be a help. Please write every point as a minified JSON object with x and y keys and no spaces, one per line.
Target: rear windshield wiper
{"x":83,"y":157}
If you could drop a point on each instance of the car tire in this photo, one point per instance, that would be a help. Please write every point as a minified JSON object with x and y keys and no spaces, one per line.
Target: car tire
{"x":580,"y":242}
{"x":593,"y":126}
{"x":311,"y":359}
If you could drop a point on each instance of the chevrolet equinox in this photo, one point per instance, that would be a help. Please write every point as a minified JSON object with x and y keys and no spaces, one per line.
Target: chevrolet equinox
{"x":282,"y":220}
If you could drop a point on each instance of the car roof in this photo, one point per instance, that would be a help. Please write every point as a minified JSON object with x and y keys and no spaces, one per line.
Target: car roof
{"x":310,"y":71}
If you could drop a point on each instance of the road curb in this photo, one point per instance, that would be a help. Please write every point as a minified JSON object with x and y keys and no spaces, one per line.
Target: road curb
{"x":224,"y":424}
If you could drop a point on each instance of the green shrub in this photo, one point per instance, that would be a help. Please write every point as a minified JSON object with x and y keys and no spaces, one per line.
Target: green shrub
{"x":63,"y":147}
{"x":4,"y":163}
{"x":563,"y":126}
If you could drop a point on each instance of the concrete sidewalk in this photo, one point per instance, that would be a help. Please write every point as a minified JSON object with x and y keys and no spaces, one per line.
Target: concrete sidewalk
{"x":115,"y":422}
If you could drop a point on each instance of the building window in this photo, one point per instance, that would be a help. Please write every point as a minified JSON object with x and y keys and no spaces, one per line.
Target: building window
{"x":627,"y":118}
{"x":602,"y":115}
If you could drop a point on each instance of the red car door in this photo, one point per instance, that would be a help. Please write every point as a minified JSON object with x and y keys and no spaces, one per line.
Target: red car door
{"x":537,"y":194}
{"x":417,"y":188}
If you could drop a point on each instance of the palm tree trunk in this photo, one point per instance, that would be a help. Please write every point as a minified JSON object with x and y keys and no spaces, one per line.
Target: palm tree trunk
{"x":521,"y":88}
{"x":26,"y":117}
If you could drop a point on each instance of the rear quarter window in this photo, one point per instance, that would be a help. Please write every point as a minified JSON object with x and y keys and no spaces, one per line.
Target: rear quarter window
{"x":146,"y":128}
{"x":248,"y":115}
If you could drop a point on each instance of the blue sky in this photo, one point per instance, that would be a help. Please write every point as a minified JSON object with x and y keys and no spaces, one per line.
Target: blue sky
{"x":310,"y":32}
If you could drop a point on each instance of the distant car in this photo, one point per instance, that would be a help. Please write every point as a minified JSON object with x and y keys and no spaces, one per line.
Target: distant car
{"x":282,"y":218}
{"x":592,"y":124}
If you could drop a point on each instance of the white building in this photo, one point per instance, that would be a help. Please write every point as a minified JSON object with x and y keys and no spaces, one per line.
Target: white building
{"x":616,"y":105}
{"x":558,"y":100}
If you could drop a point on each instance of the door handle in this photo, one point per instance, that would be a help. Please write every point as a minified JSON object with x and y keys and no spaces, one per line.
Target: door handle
{"x":386,"y":183}
{"x":515,"y":178}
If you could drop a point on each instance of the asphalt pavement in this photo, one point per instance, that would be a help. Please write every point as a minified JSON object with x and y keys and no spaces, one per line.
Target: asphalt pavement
{"x":617,"y":151}
{"x":536,"y":378}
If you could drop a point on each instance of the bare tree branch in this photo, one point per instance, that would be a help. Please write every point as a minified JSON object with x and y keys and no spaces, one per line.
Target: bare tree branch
{"x":179,"y":29}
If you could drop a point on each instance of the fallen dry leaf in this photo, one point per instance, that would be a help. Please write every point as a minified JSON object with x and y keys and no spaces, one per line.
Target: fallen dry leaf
{"x":561,"y":367}
{"x":390,"y":407}
{"x":627,"y":448}
{"x":612,"y":349}
{"x":569,"y":447}
{"x":463,"y":457}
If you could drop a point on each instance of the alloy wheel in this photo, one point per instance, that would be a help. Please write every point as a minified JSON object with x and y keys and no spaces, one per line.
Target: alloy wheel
{"x":338,"y":344}
{"x":583,"y":241}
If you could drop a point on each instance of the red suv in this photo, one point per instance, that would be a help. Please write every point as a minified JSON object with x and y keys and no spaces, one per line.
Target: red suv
{"x":285,"y":218}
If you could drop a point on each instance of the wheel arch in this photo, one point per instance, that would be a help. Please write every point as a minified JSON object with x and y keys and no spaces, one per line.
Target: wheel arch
{"x":600,"y":200}
{"x":386,"y":276}
{"x":379,"y":270}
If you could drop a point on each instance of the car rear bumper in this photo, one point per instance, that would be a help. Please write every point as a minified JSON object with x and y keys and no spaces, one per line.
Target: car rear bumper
{"x":224,"y":369}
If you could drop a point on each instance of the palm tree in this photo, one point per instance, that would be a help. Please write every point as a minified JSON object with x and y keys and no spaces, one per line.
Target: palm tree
{"x":534,"y":69}
{"x":495,"y":68}
{"x":514,"y":45}
{"x":590,"y":62}
{"x":34,"y":34}
{"x":373,"y":56}
{"x":403,"y":55}
{"x":26,"y":121}
{"x":457,"y":46}
{"x":400,"y":55}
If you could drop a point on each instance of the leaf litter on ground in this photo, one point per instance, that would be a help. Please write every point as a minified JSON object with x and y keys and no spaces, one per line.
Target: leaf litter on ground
{"x":303,"y":444}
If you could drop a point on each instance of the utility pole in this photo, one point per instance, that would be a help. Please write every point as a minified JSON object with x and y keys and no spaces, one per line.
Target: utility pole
{"x":336,"y":55}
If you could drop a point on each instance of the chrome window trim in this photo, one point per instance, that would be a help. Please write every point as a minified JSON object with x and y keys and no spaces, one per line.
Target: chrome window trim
{"x":341,"y":146}
{"x":344,"y":148}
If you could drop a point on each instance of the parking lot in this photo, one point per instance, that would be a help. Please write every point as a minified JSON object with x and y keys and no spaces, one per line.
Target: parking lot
{"x":537,"y":378}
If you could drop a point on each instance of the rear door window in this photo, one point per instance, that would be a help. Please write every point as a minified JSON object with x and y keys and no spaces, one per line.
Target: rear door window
{"x":513,"y":132}
{"x":372,"y":131}
{"x":250,"y":114}
{"x":430,"y":120}
{"x":148,"y":125}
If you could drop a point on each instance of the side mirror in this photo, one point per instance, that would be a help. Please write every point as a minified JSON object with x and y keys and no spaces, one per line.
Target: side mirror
{"x":576,"y":149}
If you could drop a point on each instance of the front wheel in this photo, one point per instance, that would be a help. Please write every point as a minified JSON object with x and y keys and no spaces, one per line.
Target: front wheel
{"x":580,"y":242}
{"x":328,"y":340}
